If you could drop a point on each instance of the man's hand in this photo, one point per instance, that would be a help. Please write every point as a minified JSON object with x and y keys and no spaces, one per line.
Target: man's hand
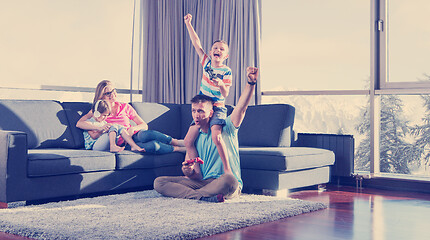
{"x":188,"y":18}
{"x":188,"y":168}
{"x":252,"y":73}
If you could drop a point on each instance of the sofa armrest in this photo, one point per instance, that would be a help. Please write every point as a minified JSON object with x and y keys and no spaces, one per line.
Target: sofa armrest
{"x":13,"y":161}
{"x":341,"y":145}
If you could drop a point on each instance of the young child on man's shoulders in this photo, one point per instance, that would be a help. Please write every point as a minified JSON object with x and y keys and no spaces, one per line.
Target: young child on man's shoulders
{"x":216,"y":82}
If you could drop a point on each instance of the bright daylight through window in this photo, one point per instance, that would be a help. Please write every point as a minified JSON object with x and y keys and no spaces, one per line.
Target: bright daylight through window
{"x":319,"y":46}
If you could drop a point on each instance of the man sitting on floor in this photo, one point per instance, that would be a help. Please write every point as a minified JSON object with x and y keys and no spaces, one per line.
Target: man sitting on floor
{"x":211,"y":179}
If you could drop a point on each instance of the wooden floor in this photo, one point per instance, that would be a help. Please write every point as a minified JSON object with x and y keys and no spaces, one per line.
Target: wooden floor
{"x":352,"y":214}
{"x":366,"y":214}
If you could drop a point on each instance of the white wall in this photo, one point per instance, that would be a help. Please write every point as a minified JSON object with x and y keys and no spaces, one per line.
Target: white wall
{"x":64,"y":43}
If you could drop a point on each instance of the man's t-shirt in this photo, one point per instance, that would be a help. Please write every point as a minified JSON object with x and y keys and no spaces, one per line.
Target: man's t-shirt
{"x":212,"y":166}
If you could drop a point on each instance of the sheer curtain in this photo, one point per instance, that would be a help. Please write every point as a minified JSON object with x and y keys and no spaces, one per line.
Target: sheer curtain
{"x":164,"y":63}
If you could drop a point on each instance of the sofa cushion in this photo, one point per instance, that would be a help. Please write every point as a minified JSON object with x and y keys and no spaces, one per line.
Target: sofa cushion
{"x":132,"y":160}
{"x":284,"y":158}
{"x":51,"y":162}
{"x":164,"y":117}
{"x":74,"y":111}
{"x":267,"y":126}
{"x":44,"y":122}
{"x":186,"y":119}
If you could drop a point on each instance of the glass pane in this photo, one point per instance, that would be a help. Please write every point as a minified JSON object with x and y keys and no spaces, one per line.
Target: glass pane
{"x":335,"y":115}
{"x":405,"y":135}
{"x":408,"y":40}
{"x":315,"y":45}
{"x":62,"y":96}
{"x":65,"y":43}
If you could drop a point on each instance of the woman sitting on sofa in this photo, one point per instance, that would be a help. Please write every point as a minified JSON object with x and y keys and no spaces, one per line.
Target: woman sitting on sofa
{"x":151,"y":141}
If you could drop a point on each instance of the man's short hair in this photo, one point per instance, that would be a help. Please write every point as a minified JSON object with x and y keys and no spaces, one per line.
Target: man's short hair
{"x":200,"y":98}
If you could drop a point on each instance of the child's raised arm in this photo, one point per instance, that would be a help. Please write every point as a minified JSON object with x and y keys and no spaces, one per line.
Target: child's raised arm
{"x":195,"y":40}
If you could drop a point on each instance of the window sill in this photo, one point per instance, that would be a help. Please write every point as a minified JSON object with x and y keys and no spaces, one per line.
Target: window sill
{"x":391,"y":176}
{"x":390,"y":181}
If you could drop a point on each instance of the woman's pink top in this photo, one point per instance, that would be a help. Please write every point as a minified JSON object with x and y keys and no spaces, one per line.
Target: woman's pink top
{"x":125,"y":113}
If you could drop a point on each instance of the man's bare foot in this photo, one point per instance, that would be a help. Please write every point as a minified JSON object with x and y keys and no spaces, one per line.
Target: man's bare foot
{"x":116,"y":148}
{"x":138,"y":149}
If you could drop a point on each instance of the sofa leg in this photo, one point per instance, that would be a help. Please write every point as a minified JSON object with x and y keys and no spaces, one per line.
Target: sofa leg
{"x":276,"y":193}
{"x":322,"y":187}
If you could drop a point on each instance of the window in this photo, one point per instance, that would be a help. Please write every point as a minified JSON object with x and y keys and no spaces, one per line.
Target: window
{"x":407,"y":45}
{"x":333,"y":47}
{"x":315,"y":45}
{"x":75,"y":43}
{"x":404,"y":87}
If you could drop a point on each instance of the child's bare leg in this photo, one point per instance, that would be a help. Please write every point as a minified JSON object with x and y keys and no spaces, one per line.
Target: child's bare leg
{"x":112,"y":140}
{"x":128,"y":139}
{"x":220,"y":145}
{"x":190,"y":138}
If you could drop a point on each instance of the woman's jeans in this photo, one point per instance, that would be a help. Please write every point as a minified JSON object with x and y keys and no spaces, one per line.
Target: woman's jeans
{"x":152,"y":141}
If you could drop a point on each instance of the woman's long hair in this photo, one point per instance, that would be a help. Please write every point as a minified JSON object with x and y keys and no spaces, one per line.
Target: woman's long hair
{"x":100,"y":90}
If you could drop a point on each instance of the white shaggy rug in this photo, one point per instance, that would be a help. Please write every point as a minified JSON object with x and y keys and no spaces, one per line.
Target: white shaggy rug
{"x":146,"y":215}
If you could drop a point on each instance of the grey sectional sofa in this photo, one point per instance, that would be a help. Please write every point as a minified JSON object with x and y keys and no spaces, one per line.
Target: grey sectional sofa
{"x":42,"y":153}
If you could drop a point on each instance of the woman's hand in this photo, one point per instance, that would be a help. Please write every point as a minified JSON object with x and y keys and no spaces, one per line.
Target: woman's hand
{"x":140,"y":125}
{"x":99,"y":130}
{"x":104,"y":128}
{"x":131,"y":130}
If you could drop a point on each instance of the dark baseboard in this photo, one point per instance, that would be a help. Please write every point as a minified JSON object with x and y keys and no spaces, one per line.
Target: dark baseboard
{"x":392,"y":184}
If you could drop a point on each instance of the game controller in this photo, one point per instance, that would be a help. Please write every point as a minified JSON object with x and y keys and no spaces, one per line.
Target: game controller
{"x":197,"y":160}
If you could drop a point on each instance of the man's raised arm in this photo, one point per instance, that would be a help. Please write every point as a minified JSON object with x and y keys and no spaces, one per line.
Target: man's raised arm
{"x":239,"y":111}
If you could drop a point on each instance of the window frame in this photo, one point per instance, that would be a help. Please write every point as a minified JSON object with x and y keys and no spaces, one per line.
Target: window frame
{"x":380,"y":22}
